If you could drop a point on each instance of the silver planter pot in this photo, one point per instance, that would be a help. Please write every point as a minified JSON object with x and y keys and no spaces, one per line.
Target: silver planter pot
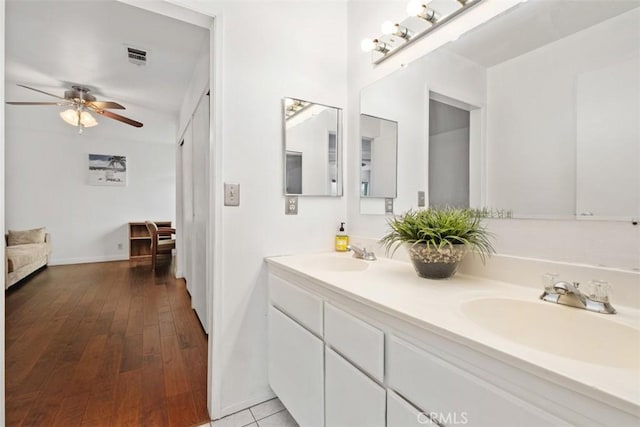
{"x":436,"y":263}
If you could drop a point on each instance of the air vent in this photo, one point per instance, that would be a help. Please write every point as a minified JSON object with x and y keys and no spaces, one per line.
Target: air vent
{"x":137,"y":56}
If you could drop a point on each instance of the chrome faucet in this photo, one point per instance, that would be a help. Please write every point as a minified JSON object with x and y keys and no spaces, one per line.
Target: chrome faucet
{"x":565,"y":293}
{"x":361,"y":253}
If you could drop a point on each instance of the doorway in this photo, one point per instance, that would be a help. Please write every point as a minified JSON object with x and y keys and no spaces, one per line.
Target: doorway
{"x":205,"y":193}
{"x":448,"y":156}
{"x":455,"y":153}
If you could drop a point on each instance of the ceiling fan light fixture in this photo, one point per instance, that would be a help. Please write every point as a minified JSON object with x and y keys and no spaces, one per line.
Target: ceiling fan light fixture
{"x":70,"y":116}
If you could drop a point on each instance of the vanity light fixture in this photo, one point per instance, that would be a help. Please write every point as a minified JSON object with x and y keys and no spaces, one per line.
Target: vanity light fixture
{"x":293,"y":106}
{"x":421,"y":9}
{"x":422,"y":20}
{"x":376,"y":45}
{"x":389,"y":28}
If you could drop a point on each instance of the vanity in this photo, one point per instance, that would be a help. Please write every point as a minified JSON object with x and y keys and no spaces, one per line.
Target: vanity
{"x":356,"y":343}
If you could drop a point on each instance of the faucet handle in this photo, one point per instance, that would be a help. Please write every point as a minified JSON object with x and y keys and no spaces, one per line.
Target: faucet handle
{"x":548,"y":280}
{"x":598,"y":290}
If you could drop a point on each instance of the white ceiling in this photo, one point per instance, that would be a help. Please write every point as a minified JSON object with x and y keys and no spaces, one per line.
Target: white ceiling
{"x":52,"y":44}
{"x":532,"y":25}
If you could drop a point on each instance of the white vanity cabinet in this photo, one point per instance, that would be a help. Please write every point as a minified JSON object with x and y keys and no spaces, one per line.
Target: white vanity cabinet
{"x":352,"y":398}
{"x":296,"y":351}
{"x":336,"y":361}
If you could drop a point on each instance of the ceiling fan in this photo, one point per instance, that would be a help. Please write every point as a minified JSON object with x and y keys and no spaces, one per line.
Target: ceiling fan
{"x":81,"y":102}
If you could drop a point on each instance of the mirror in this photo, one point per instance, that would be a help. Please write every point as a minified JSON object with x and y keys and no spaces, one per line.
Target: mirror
{"x":378,"y":156}
{"x":312,"y":149}
{"x":550,"y":96}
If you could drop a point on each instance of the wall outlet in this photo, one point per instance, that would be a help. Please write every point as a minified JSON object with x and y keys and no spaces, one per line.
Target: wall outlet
{"x":388,"y":206}
{"x":231,"y":194}
{"x":120,"y":246}
{"x":291,"y":205}
{"x":421,"y":199}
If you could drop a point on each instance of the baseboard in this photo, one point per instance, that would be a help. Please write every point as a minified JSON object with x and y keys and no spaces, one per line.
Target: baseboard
{"x":237,"y":407}
{"x":86,"y":260}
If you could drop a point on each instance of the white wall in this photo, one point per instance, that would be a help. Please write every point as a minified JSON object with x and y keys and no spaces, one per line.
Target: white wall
{"x":269,"y":50}
{"x":47,"y":185}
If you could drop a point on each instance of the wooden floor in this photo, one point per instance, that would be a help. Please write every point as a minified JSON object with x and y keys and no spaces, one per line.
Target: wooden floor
{"x":104,"y":344}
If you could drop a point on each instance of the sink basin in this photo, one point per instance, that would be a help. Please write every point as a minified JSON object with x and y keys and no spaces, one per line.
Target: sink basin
{"x":560,"y":330}
{"x":339,"y":264}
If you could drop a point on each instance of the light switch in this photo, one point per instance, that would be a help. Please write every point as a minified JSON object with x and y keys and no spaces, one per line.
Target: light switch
{"x":291,"y":205}
{"x":231,"y":194}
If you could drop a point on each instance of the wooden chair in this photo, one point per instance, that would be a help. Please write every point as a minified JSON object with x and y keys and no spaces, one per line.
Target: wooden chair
{"x":161,"y":241}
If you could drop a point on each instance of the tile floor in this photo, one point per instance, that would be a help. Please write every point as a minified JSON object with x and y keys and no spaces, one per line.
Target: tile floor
{"x":271,"y":413}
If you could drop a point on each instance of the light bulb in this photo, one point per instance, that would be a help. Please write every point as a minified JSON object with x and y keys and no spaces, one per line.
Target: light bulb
{"x":288,"y":102}
{"x":71,"y":117}
{"x":388,"y":28}
{"x":415,"y":7}
{"x":87,"y":120}
{"x":367,"y":45}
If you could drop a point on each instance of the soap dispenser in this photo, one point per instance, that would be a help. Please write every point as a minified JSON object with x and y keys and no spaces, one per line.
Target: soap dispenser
{"x":342,"y":240}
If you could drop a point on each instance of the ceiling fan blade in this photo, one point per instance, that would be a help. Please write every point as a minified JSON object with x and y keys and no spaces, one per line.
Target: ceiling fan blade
{"x":39,"y":103}
{"x":106,"y":105}
{"x":41,"y":91}
{"x":118,"y":117}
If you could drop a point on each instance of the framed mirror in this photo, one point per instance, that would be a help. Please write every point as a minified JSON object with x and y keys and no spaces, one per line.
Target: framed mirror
{"x":378,"y":157}
{"x":551,"y":117}
{"x":312,"y":148}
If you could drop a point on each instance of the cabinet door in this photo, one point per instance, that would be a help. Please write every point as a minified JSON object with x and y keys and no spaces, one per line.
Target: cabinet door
{"x":358,"y":341}
{"x":296,"y":369}
{"x":452,"y":395}
{"x":352,"y":398}
{"x":401,"y":413}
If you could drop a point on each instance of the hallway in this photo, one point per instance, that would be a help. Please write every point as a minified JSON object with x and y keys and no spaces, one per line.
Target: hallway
{"x":104,"y":344}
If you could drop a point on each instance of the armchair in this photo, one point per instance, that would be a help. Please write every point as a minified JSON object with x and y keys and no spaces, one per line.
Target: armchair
{"x":162,"y":242}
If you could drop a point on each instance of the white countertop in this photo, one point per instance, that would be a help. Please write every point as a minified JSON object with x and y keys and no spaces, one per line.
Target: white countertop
{"x":393,"y":287}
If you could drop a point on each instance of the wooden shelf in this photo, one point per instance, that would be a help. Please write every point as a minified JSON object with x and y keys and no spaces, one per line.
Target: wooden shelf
{"x":140,"y":240}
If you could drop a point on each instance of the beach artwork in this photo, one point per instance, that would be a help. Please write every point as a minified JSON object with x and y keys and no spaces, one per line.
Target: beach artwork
{"x":105,"y":169}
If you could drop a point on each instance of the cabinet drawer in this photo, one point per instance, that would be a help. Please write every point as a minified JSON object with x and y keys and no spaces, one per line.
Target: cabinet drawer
{"x":302,"y":306}
{"x":352,"y":399}
{"x":355,"y":339}
{"x":436,"y":386}
{"x":296,"y":369}
{"x":401,"y":413}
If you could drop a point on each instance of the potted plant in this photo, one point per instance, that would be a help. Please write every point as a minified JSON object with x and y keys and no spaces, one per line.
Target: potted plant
{"x":438,"y":239}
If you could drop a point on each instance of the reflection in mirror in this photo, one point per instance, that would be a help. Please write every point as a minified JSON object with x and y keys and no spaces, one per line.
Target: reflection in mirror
{"x":378,"y":160}
{"x":448,"y":155}
{"x":311,"y":149}
{"x":557,"y":110}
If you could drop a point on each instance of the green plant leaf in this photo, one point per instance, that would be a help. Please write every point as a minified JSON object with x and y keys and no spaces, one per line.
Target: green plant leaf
{"x":439,"y":228}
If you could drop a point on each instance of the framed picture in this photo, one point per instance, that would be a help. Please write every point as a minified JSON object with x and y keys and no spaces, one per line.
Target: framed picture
{"x":107,"y":169}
